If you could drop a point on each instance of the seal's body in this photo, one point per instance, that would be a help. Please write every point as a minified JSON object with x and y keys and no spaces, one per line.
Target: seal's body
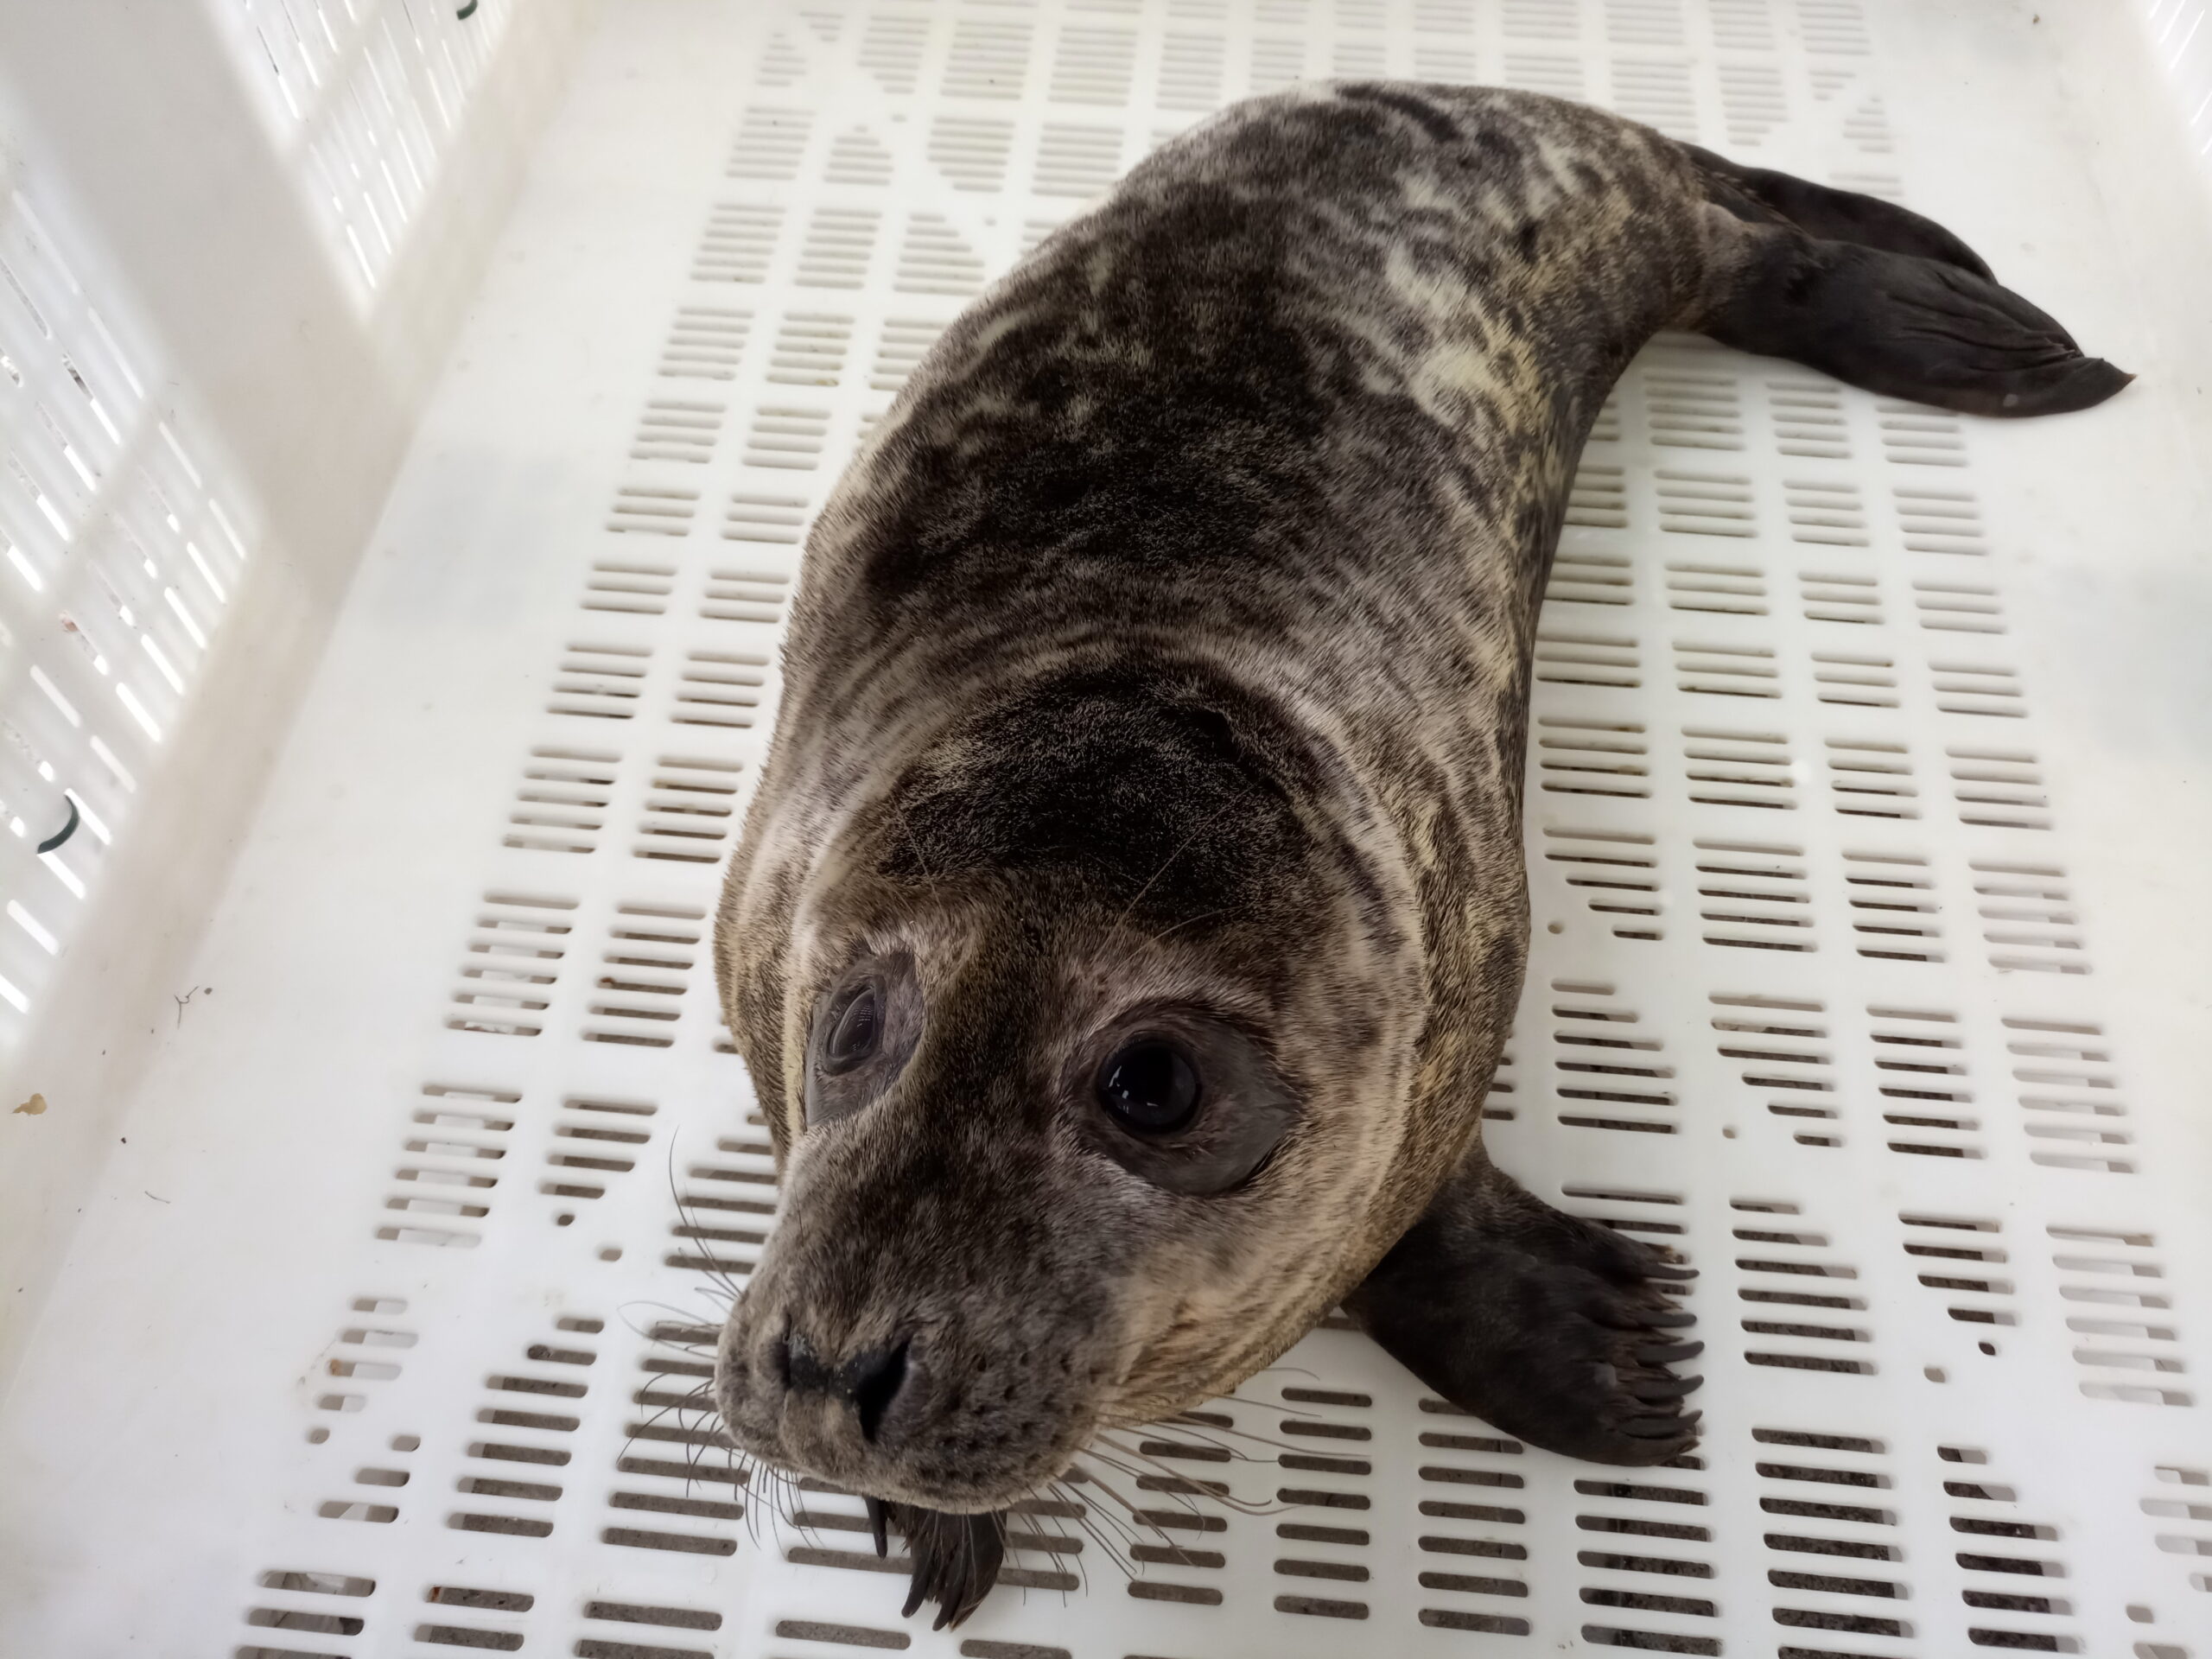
{"x":1132,"y":908}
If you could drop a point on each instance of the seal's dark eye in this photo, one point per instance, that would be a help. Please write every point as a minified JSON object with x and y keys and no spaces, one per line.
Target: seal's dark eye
{"x":1150,"y":1086}
{"x":854,"y":1032}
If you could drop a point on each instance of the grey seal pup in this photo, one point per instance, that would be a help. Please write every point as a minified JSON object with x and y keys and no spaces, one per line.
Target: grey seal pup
{"x":1132,"y":906}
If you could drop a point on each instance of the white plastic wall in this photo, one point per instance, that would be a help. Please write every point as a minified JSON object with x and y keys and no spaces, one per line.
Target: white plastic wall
{"x":2183,"y":47}
{"x":238,"y":238}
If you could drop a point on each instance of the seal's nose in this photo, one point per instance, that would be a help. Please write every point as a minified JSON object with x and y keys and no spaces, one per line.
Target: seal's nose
{"x":869,"y":1381}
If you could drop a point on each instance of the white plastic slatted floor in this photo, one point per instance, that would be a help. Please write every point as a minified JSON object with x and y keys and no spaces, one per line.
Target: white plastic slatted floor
{"x":370,"y":1343}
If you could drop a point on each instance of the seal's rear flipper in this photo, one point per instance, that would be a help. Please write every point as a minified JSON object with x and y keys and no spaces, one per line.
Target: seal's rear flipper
{"x":1549,"y":1327}
{"x":1762,"y":196}
{"x":1895,"y":323}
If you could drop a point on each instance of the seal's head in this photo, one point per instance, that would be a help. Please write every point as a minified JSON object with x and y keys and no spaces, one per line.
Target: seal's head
{"x":1084,"y":1034}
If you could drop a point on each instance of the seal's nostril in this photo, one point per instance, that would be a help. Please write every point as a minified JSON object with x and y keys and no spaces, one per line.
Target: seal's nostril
{"x":874,"y":1381}
{"x":871,"y":1380}
{"x":805,"y":1371}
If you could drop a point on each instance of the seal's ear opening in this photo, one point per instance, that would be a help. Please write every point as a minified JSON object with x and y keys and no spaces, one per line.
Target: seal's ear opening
{"x":1214,"y":725}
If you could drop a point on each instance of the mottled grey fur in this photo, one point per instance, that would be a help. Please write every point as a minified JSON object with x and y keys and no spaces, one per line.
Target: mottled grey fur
{"x":1167,"y":649}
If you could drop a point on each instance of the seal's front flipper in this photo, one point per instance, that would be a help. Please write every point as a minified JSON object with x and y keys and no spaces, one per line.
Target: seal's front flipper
{"x":1894,"y":323}
{"x":1551,"y":1328}
{"x":955,"y":1557}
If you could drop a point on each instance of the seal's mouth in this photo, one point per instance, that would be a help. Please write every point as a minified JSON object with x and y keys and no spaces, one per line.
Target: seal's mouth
{"x":918,"y":1418}
{"x":853,"y":1423}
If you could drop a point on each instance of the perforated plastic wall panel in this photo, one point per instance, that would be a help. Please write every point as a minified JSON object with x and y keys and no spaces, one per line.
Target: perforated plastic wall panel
{"x":363,"y":101}
{"x":2184,"y":51}
{"x":1865,"y":800}
{"x":124,"y":534}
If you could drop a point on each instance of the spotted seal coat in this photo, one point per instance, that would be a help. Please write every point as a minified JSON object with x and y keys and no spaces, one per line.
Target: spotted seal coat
{"x":1132,"y":906}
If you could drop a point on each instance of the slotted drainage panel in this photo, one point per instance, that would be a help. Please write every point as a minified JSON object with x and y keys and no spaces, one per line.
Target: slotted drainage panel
{"x":383,"y":1334}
